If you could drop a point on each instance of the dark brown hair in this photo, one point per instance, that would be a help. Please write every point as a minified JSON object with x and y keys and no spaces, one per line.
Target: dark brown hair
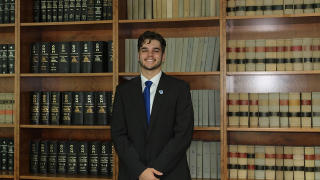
{"x":148,"y":35}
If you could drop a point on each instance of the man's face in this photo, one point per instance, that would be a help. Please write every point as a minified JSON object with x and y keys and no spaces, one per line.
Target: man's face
{"x":150,"y":55}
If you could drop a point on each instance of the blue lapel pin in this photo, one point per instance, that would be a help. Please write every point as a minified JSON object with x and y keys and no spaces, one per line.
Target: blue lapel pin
{"x":161,"y":91}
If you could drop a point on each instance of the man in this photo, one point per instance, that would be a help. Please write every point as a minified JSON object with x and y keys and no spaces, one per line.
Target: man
{"x":151,"y":143}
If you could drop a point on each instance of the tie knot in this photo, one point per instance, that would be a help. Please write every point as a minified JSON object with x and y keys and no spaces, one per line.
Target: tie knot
{"x":148,"y":83}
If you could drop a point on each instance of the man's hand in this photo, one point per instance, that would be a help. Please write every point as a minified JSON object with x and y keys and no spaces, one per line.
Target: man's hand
{"x":149,"y":173}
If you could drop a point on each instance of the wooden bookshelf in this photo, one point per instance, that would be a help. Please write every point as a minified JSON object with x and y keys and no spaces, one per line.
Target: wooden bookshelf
{"x":24,"y":31}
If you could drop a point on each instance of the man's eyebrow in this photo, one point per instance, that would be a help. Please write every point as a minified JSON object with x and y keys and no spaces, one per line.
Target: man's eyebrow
{"x":152,"y":48}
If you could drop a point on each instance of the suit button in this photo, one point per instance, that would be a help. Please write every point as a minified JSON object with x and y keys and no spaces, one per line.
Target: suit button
{"x":148,"y":159}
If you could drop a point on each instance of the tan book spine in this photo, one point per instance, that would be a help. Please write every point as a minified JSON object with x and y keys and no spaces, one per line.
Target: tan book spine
{"x":181,"y":10}
{"x":250,"y":7}
{"x":154,"y":9}
{"x":298,"y":6}
{"x":232,"y":55}
{"x":2,"y":108}
{"x":250,"y":53}
{"x":274,"y":109}
{"x":244,"y":109}
{"x":259,"y":7}
{"x":163,"y":9}
{"x":240,"y":7}
{"x":199,"y":54}
{"x":213,"y":8}
{"x":141,"y":13}
{"x":197,"y":8}
{"x":231,"y":7}
{"x":306,"y":109}
{"x":233,"y":109}
{"x":186,"y":8}
{"x":254,"y":109}
{"x":203,"y":8}
{"x":242,"y":161}
{"x":192,"y":8}
{"x":250,"y":161}
{"x":309,"y":162}
{"x":316,"y":53}
{"x":233,"y":160}
{"x":280,"y":55}
{"x":9,"y":108}
{"x":175,"y":9}
{"x":308,"y":6}
{"x":317,"y":162}
{"x":260,"y":55}
{"x":297,"y":54}
{"x":317,"y":6}
{"x":288,"y":162}
{"x":270,"y":162}
{"x":278,"y":7}
{"x":315,"y":109}
{"x":135,"y":9}
{"x":294,"y":110}
{"x":279,"y":163}
{"x":241,"y":55}
{"x":267,"y":4}
{"x":159,"y":9}
{"x":264,"y":120}
{"x":129,"y":9}
{"x":298,"y":163}
{"x":288,"y":54}
{"x":169,"y":9}
{"x":307,"y":54}
{"x":271,"y":55}
{"x":148,"y":9}
{"x":284,"y":109}
{"x":260,"y":162}
{"x":288,"y":6}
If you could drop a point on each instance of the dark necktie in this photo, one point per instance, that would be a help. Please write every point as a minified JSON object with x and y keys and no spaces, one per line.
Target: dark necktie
{"x":146,"y":96}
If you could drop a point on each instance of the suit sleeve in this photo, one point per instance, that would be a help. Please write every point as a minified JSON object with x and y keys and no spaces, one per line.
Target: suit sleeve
{"x":126,"y":151}
{"x":176,"y":147}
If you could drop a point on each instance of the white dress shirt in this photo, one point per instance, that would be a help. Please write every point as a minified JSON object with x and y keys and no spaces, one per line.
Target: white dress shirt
{"x":155,"y":81}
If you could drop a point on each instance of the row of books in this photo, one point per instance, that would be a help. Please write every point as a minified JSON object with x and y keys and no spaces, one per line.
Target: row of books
{"x":7,"y":154}
{"x":297,"y":54}
{"x":88,"y":108}
{"x":206,"y":107}
{"x":7,"y":58}
{"x":274,"y":162}
{"x":189,"y":54}
{"x":60,"y":156}
{"x":204,"y":159}
{"x":7,"y":11}
{"x":7,"y":106}
{"x":271,"y":7}
{"x":72,"y":10}
{"x":274,"y":109}
{"x":71,"y":57}
{"x":166,"y":9}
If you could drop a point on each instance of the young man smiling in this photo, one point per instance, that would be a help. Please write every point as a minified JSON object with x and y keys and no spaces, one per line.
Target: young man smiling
{"x":152,"y":122}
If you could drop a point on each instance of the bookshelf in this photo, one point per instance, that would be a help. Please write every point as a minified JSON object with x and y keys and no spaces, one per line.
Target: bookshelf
{"x":24,"y":31}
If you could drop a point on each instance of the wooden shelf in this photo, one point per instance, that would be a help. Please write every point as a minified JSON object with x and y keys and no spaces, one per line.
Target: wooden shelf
{"x":216,"y":73}
{"x":7,"y":125}
{"x":273,"y":129}
{"x":66,"y":74}
{"x":67,"y":23}
{"x":30,"y":126}
{"x":6,"y":174}
{"x":64,"y":176}
{"x":316,"y":72}
{"x":203,"y":128}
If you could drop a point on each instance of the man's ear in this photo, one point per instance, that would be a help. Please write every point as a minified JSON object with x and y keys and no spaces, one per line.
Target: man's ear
{"x":163,"y":57}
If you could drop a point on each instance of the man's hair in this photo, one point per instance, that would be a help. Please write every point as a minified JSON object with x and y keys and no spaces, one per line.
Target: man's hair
{"x":148,"y":35}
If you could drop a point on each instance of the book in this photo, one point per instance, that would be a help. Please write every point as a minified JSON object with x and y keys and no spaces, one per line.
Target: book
{"x":104,"y":158}
{"x":244,"y":109}
{"x":175,"y":8}
{"x":62,"y":156}
{"x":216,"y":57}
{"x":34,"y":151}
{"x":210,"y":54}
{"x":180,"y":8}
{"x":278,"y":7}
{"x":89,"y":110}
{"x":294,"y":109}
{"x":86,"y":57}
{"x":77,"y":11}
{"x":233,"y":109}
{"x":217,"y":106}
{"x":232,"y":55}
{"x":193,"y":159}
{"x":35,"y":107}
{"x":264,"y":120}
{"x":178,"y":54}
{"x":4,"y":153}
{"x":192,"y":8}
{"x":11,"y":59}
{"x":259,"y":7}
{"x":307,"y":54}
{"x":54,"y":57}
{"x":90,"y":10}
{"x":53,"y":156}
{"x":101,"y":108}
{"x":298,"y":6}
{"x":288,"y":7}
{"x":274,"y":109}
{"x":260,"y":162}
{"x":9,"y":108}
{"x":4,"y":58}
{"x":316,"y":162}
{"x":60,"y":11}
{"x":250,"y":161}
{"x":260,"y":55}
{"x":44,"y":57}
{"x":94,"y":156}
{"x":240,"y":7}
{"x":110,"y":56}
{"x":135,"y":9}
{"x":316,"y":6}
{"x":109,"y":9}
{"x":43,"y":10}
{"x":205,"y":107}
{"x":316,"y":53}
{"x":43,"y":155}
{"x":83,"y":157}
{"x":199,"y":169}
{"x":171,"y":53}
{"x":195,"y":104}
{"x":315,"y":109}
{"x":84,"y":10}
{"x":231,"y":8}
{"x":288,"y":162}
{"x":213,"y":146}
{"x":288,"y":54}
{"x":98,"y":11}
{"x":233,"y":160}
{"x":186,"y":8}
{"x":99,"y":57}
{"x":211,"y":105}
{"x":279,"y":162}
{"x":72,"y":157}
{"x":284,"y":109}
{"x":242,"y":161}
{"x":55,"y":104}
{"x":280,"y":57}
{"x":189,"y":54}
{"x":267,"y":7}
{"x":253,"y":109}
{"x":75,"y":57}
{"x":2,"y":108}
{"x":200,"y":108}
{"x":77,"y":108}
{"x":10,"y":154}
{"x":206,"y":159}
{"x":66,"y":10}
{"x":45,"y":107}
{"x":199,"y":55}
{"x":64,"y":57}
{"x":72,"y":8}
{"x":250,"y":7}
{"x":129,"y":9}
{"x":241,"y":55}
{"x":49,"y":9}
{"x":36,"y":11}
{"x":298,"y":162}
{"x":306,"y":106}
{"x":270,"y":159}
{"x":250,"y":54}
{"x":309,"y":162}
{"x":66,"y":107}
{"x":271,"y":54}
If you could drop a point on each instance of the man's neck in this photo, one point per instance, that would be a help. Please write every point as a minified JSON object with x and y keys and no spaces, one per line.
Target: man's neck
{"x":149,"y":74}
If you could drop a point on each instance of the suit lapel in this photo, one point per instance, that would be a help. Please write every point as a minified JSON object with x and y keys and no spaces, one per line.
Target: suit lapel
{"x":139,"y":102}
{"x":163,"y":85}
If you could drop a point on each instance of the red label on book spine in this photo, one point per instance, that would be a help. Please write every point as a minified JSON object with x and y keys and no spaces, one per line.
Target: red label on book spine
{"x":309,"y":157}
{"x":233,"y":102}
{"x":296,"y":48}
{"x":288,"y":156}
{"x":243,"y":102}
{"x":254,"y":102}
{"x":284,"y":102}
{"x":305,"y":102}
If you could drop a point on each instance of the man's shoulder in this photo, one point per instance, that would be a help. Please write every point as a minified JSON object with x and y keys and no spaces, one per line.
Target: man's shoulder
{"x":175,"y":80}
{"x":129,"y":82}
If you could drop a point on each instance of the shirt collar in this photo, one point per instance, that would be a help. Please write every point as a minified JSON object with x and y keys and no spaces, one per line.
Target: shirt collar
{"x":155,"y":80}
